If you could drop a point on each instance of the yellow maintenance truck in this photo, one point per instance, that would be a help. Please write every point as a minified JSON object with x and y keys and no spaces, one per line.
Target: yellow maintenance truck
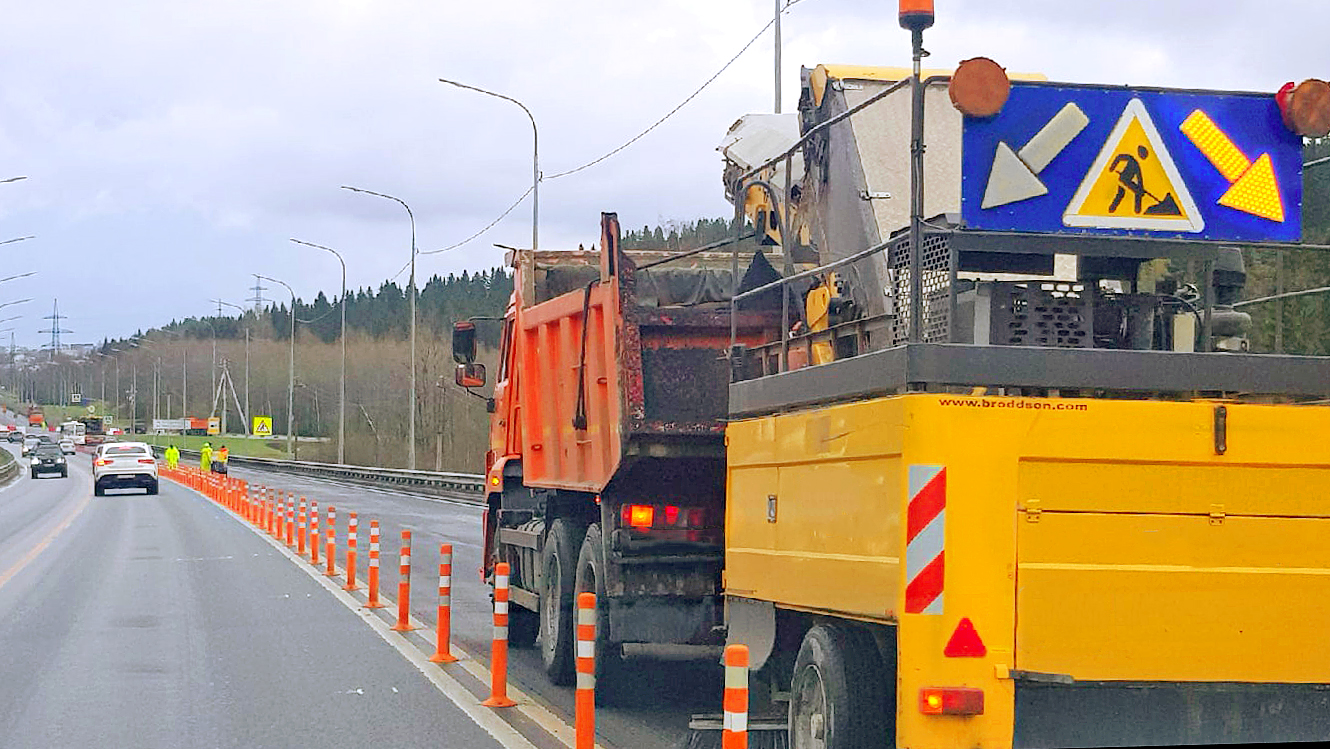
{"x":1009,"y":475}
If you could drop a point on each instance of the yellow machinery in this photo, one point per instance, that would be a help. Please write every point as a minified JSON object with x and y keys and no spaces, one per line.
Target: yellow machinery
{"x":1004,"y":482}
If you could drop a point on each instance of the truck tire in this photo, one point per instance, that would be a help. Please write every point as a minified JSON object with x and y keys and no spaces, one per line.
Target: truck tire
{"x":836,"y":699}
{"x":591,"y":579}
{"x":556,"y":601}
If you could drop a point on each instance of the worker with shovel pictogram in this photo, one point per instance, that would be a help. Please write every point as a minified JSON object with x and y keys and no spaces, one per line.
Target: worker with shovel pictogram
{"x":1128,"y":169}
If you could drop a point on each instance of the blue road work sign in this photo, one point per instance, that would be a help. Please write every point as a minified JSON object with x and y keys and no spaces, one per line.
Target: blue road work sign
{"x":1068,"y":159}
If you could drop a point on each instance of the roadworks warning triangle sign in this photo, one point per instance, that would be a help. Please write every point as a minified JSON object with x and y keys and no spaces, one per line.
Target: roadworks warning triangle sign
{"x":1134,"y":184}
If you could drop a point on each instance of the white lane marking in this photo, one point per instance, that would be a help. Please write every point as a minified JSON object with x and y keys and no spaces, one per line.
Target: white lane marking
{"x":456,"y":693}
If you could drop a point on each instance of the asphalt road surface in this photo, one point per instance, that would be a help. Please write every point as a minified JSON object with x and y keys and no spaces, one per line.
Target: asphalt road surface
{"x":649,"y":711}
{"x":161,"y":621}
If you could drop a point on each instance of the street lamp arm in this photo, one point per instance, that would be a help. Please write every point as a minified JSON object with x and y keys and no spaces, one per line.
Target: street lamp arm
{"x":18,"y":239}
{"x":535,"y":156}
{"x":21,"y":275}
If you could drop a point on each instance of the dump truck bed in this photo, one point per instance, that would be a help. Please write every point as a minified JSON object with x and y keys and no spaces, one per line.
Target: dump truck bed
{"x":618,"y":362}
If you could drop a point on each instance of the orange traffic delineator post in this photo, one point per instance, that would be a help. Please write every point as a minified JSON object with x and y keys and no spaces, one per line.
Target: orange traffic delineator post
{"x":290,"y":520}
{"x":351,"y":553}
{"x":584,"y":704}
{"x":499,"y":648}
{"x":404,"y":586}
{"x":734,"y":723}
{"x":445,"y":626}
{"x":373,"y":583}
{"x":301,"y":536}
{"x":331,"y":548}
{"x":314,"y":533}
{"x":275,"y":518}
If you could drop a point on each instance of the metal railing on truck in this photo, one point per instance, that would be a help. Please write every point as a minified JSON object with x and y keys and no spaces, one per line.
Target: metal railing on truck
{"x":420,"y":482}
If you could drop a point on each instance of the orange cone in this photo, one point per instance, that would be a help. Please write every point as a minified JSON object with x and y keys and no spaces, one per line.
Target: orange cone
{"x":499,"y":648}
{"x":444,"y":634}
{"x":373,"y":566}
{"x":404,"y":586}
{"x":584,"y":703}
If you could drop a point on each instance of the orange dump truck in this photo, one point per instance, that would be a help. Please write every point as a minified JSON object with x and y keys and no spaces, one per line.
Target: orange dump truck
{"x":606,"y":468}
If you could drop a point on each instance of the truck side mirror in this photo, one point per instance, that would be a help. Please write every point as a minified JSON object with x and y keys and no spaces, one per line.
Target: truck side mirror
{"x":464,"y":344}
{"x":470,"y":375}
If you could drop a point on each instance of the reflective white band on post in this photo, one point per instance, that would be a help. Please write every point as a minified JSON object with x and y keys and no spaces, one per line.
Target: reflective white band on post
{"x":500,"y":633}
{"x":586,"y":681}
{"x":501,"y":607}
{"x":735,"y":722}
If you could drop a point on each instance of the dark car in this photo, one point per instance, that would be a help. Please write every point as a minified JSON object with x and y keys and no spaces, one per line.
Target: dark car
{"x":48,"y":458}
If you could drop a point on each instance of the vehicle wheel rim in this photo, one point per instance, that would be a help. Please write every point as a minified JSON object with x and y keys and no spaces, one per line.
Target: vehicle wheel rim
{"x":549,"y":609}
{"x":809,"y":704}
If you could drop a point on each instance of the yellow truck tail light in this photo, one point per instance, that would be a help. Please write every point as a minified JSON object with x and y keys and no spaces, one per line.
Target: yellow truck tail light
{"x":951,"y":701}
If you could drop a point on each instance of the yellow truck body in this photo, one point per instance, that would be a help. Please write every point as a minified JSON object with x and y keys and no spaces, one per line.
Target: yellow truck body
{"x":1088,"y":541}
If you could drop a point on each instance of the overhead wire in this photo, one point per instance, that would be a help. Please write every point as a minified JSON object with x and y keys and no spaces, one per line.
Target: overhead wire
{"x":613,"y":152}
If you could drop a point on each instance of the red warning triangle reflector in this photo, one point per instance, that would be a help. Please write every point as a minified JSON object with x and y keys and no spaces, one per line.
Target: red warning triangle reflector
{"x":965,"y":642}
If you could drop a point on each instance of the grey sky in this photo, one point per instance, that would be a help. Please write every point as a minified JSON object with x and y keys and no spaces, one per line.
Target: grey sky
{"x":172,"y":147}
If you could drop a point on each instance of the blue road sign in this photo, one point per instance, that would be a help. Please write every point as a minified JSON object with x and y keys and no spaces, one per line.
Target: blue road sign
{"x":1070,"y":159}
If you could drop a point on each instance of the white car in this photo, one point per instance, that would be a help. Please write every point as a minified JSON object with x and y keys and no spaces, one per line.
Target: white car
{"x":67,"y":446}
{"x":123,"y":465}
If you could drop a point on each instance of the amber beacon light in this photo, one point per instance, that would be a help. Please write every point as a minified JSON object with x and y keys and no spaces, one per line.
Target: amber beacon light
{"x":916,"y":15}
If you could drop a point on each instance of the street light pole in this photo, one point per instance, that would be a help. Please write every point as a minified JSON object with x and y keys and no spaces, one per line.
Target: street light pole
{"x":291,"y":373}
{"x":535,"y":157}
{"x":341,"y":401}
{"x":411,"y":292}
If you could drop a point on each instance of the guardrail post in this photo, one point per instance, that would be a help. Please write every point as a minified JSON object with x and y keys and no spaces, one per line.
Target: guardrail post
{"x":373,"y":566}
{"x":351,"y":553}
{"x":499,"y":647}
{"x":584,"y":721}
{"x":445,"y":625}
{"x":404,"y":586}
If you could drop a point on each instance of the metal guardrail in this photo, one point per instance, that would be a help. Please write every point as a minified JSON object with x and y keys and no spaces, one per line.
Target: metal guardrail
{"x":9,"y":468}
{"x":471,"y":485}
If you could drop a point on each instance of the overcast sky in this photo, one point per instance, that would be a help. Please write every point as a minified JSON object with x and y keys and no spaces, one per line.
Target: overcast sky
{"x":172,"y":146}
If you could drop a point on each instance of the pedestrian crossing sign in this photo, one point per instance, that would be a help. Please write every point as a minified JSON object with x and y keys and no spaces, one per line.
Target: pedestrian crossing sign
{"x":262,"y":426}
{"x":1134,"y":183}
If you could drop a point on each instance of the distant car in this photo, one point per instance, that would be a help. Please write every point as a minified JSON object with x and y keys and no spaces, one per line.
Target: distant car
{"x":49,"y":459}
{"x":124,"y":465}
{"x":14,"y":436}
{"x":29,"y":442}
{"x":67,"y":446}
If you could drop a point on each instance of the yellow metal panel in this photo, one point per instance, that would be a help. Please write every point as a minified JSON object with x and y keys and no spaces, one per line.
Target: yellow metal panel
{"x":1174,"y":598}
{"x":836,"y":539}
{"x":1177,"y":487}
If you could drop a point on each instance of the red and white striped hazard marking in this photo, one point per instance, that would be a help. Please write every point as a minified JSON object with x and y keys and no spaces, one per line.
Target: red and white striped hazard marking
{"x":924,"y":539}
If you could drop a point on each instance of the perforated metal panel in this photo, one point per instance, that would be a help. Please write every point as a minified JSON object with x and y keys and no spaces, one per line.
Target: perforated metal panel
{"x":1042,"y":314}
{"x":936,"y":279}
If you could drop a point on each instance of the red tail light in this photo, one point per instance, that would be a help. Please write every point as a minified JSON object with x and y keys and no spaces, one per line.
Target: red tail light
{"x":147,"y":460}
{"x":951,"y":701}
{"x":639,"y":516}
{"x":101,"y":462}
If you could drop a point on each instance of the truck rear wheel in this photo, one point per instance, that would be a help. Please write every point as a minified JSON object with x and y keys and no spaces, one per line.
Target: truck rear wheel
{"x":835,"y":694}
{"x":591,"y":579}
{"x":556,"y":601}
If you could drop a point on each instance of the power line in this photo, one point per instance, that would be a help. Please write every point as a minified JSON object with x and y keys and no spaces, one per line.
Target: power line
{"x":630,"y":142}
{"x":681,"y":104}
{"x":482,"y":231}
